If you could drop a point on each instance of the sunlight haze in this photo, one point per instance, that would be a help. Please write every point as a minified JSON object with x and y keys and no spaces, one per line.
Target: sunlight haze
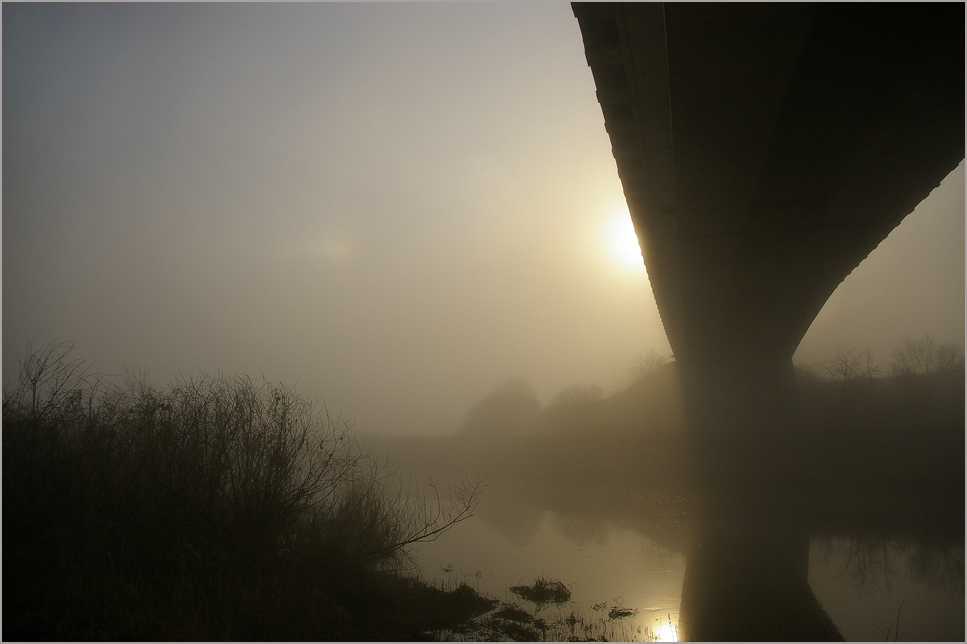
{"x":393,"y":207}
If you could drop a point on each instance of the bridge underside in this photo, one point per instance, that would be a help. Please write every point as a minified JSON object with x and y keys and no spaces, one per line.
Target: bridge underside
{"x":766,"y":149}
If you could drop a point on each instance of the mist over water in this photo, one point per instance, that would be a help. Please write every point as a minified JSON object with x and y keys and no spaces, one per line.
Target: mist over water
{"x":409,"y":214}
{"x":847,"y":524}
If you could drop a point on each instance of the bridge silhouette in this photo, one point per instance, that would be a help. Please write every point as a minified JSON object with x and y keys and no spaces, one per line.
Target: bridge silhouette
{"x":765,"y":150}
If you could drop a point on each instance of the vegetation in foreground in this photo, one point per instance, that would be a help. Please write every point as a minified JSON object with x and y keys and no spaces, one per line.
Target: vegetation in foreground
{"x":546,"y":614}
{"x":213,"y":509}
{"x":222,"y":509}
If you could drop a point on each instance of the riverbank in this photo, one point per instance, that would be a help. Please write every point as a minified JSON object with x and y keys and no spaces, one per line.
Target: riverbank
{"x":214,"y":508}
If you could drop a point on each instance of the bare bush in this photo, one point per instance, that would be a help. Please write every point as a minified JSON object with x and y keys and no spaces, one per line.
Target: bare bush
{"x":577,"y":396}
{"x":375,"y":523}
{"x":216,"y":478}
{"x":926,"y":355}
{"x":643,"y":364}
{"x":848,"y":365}
{"x":49,"y":382}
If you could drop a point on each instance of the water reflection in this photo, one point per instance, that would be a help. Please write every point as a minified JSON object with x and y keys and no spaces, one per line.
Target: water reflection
{"x":728,"y":579}
{"x":817,"y":534}
{"x":747,"y":579}
{"x":623,"y":570}
{"x":889,"y":597}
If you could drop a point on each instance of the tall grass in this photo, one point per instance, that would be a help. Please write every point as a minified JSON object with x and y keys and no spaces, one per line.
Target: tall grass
{"x":209,"y":509}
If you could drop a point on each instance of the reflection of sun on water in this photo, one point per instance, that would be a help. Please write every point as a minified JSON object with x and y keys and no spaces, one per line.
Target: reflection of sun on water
{"x":624,"y":241}
{"x":667,"y":632}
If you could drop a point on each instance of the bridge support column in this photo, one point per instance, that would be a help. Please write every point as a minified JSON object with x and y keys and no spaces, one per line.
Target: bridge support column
{"x":732,"y":395}
{"x":739,"y":410}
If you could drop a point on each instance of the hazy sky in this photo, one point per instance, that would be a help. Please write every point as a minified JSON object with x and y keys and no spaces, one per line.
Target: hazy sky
{"x":393,"y":206}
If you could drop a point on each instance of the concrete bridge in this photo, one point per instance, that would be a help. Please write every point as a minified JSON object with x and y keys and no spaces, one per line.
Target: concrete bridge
{"x":764,"y":151}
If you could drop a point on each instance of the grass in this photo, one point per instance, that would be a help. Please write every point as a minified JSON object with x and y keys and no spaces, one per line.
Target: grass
{"x":214,"y":508}
{"x":543,"y":592}
{"x":516,"y":623}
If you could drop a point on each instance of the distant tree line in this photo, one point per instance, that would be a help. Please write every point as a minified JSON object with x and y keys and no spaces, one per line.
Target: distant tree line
{"x":910,"y":358}
{"x":923,"y":382}
{"x":853,"y":377}
{"x":513,"y":408}
{"x":644,"y":364}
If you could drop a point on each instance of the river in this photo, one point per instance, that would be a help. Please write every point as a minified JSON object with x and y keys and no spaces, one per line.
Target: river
{"x":816,"y":536}
{"x":607,"y":564}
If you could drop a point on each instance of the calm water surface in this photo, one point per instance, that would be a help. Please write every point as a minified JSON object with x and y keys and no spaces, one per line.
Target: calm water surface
{"x":609,"y":565}
{"x":817,"y":533}
{"x":870,"y":596}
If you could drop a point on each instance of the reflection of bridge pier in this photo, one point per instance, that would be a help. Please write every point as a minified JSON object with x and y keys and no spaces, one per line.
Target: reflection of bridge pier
{"x":747,"y":570}
{"x":747,"y":579}
{"x":764,"y":151}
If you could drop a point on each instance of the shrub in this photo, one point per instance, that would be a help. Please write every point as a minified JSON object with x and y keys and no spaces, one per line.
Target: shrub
{"x":925,"y":355}
{"x":201,"y":490}
{"x":644,"y":364}
{"x":543,"y":592}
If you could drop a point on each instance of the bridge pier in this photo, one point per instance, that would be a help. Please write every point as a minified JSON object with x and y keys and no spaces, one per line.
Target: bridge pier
{"x":738,"y":392}
{"x":739,"y":410}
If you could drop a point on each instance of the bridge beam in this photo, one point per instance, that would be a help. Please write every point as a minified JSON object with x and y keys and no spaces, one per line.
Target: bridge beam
{"x":765,"y":149}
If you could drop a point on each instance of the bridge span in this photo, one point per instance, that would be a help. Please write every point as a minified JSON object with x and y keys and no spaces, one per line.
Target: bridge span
{"x":764,"y":150}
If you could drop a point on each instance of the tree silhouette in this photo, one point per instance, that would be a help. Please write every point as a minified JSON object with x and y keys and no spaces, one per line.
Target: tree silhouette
{"x":924,"y":356}
{"x":643,"y":364}
{"x":511,"y":408}
{"x":848,"y":365}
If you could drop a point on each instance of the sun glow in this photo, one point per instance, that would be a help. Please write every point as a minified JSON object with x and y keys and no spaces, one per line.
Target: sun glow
{"x":667,"y":632}
{"x":624,"y":241}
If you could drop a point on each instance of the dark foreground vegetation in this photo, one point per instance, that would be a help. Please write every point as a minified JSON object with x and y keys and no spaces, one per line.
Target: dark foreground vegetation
{"x":224,"y":509}
{"x":213,"y":509}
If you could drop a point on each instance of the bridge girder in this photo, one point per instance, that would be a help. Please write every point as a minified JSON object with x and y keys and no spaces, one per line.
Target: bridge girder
{"x":766,"y":149}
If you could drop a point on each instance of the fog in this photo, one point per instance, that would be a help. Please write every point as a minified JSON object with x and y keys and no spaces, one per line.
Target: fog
{"x":394,"y":208}
{"x":410,"y":214}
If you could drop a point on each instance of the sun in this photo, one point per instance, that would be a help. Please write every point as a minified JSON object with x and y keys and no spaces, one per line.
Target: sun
{"x":624,"y":241}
